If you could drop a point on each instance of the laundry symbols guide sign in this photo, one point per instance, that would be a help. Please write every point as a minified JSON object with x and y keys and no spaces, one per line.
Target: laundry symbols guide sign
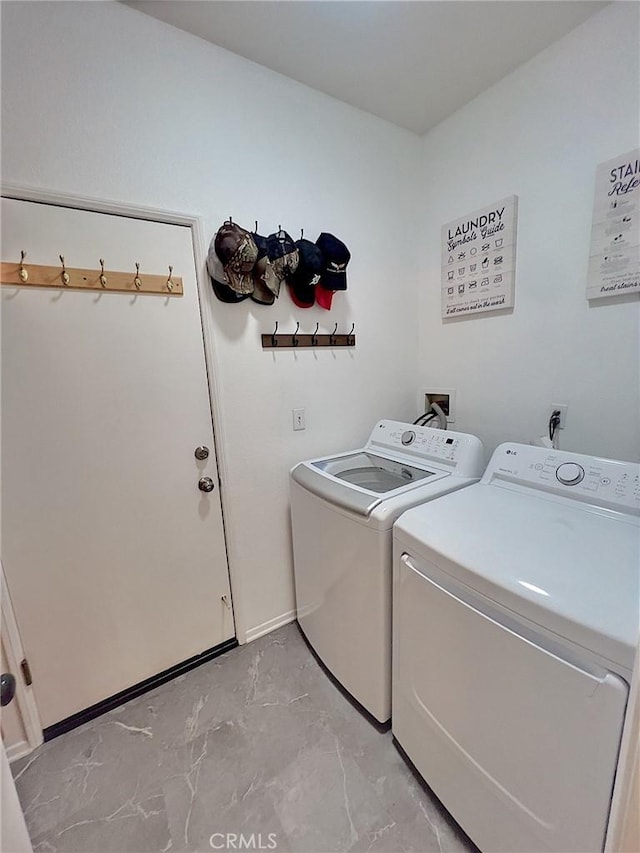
{"x":479,"y":260}
{"x":614,"y":259}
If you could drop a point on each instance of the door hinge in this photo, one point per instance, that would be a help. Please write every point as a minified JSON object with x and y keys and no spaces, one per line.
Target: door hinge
{"x":26,"y":672}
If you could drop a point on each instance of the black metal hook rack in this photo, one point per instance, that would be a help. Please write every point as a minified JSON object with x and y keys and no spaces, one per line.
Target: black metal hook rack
{"x":305,"y":341}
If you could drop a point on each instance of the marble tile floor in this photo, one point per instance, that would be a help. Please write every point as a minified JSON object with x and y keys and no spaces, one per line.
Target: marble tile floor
{"x":259,"y":741}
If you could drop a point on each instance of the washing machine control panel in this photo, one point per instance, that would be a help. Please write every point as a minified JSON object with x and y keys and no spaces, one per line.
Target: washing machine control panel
{"x":456,"y":451}
{"x":603,"y":482}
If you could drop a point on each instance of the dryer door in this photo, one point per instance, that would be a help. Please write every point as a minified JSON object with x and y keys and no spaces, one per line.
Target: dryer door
{"x":520,"y":746}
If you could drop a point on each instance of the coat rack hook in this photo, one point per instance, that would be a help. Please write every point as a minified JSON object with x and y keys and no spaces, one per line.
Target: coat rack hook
{"x":301,"y":233}
{"x":274,"y":342}
{"x":256,"y":231}
{"x":332,"y":338}
{"x":136,"y":280}
{"x":314,"y":339}
{"x":350,"y":336}
{"x":169,"y":282}
{"x":64,"y":274}
{"x":24,"y":274}
{"x":103,"y":278}
{"x":294,"y":339}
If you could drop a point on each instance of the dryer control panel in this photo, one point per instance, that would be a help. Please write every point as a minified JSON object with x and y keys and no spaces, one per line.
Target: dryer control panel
{"x":603,"y":482}
{"x":458,"y":451}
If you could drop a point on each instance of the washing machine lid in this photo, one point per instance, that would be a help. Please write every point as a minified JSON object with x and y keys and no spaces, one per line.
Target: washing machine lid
{"x":372,"y":472}
{"x":360,"y":480}
{"x":572,"y":568}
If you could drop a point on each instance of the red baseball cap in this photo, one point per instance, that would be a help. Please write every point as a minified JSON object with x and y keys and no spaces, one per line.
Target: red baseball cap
{"x":334,"y":273}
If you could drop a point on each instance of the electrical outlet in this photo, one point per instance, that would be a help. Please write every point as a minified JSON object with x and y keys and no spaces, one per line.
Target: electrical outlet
{"x":298,"y":419}
{"x":445,"y":398}
{"x":562,"y":408}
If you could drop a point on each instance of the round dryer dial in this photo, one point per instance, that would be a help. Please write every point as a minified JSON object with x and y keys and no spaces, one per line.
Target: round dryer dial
{"x":570,"y":474}
{"x":408,"y":437}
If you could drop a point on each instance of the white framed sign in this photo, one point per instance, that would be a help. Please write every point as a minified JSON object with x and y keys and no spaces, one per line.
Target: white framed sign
{"x":479,"y":260}
{"x":614,"y":257}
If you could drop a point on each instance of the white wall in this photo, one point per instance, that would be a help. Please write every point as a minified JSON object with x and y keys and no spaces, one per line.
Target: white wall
{"x":539,"y":133}
{"x":101,"y":100}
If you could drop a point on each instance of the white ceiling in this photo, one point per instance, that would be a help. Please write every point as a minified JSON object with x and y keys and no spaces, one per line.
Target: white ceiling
{"x":412,"y":62}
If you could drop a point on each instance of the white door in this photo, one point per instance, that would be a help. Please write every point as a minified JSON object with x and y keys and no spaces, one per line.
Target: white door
{"x":20,"y":723}
{"x":114,"y":558}
{"x":14,"y":837}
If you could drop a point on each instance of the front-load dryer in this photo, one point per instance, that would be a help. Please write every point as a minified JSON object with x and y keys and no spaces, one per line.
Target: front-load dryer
{"x":516,"y":609}
{"x":343,"y":508}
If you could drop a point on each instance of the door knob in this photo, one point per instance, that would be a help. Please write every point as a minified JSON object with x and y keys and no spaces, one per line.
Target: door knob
{"x":201,"y":452}
{"x":7,"y":688}
{"x":205,"y":484}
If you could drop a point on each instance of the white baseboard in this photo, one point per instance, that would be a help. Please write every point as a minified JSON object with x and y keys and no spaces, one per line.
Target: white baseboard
{"x":270,"y":625}
{"x":18,"y":750}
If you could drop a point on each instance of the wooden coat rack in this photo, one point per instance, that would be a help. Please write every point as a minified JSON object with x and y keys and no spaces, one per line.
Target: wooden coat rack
{"x":101,"y":280}
{"x":280,"y":341}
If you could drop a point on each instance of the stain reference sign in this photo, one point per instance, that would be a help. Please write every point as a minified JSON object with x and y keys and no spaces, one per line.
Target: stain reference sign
{"x":614,"y":258}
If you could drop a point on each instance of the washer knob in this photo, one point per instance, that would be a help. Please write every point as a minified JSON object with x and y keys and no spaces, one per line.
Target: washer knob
{"x":408,"y":437}
{"x":569,"y":473}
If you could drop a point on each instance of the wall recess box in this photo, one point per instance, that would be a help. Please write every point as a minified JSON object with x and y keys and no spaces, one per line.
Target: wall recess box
{"x":562,"y":408}
{"x":444,"y":397}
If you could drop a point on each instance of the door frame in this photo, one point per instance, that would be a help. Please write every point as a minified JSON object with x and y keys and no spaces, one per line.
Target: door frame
{"x":196,"y":226}
{"x":24,"y":697}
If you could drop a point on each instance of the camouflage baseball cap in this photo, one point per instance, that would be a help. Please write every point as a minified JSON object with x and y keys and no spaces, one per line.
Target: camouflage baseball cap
{"x":219,"y":280}
{"x":238,"y":252}
{"x":266,"y":282}
{"x":282,"y":254}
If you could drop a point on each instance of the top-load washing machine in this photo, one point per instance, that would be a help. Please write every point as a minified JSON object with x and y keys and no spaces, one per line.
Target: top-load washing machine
{"x":343,"y":508}
{"x":516,"y":610}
